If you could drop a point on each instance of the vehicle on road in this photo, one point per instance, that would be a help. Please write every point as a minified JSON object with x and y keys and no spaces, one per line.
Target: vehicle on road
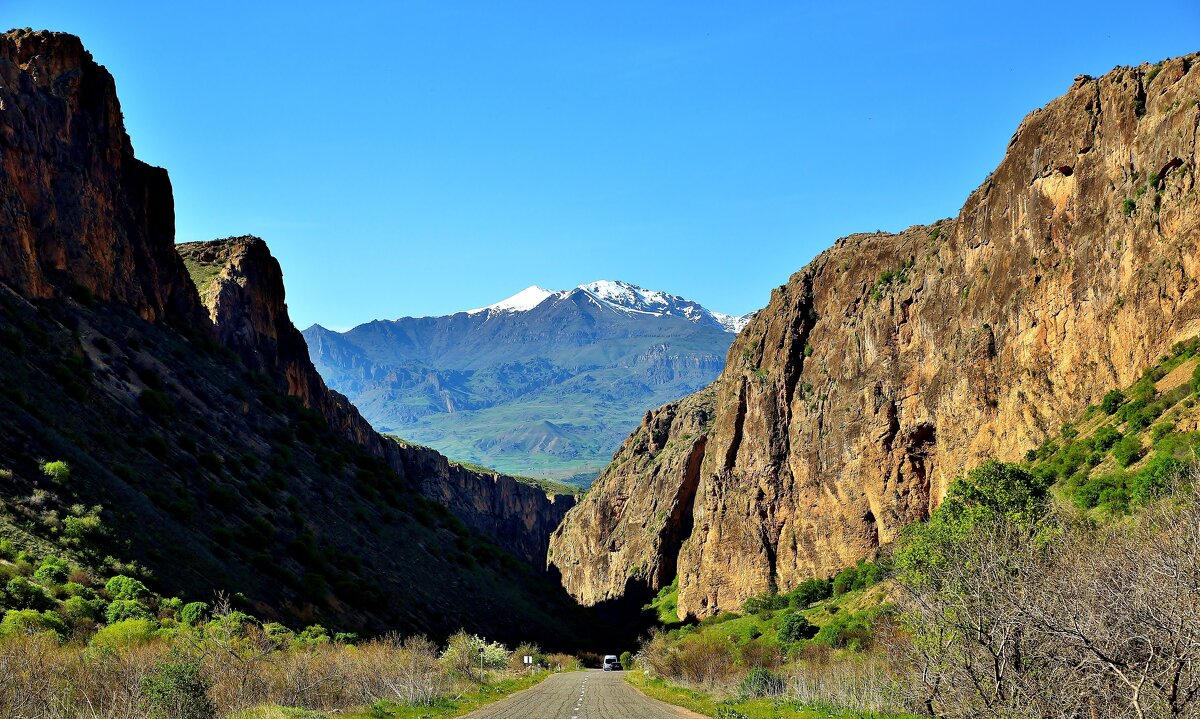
{"x":611,"y":663}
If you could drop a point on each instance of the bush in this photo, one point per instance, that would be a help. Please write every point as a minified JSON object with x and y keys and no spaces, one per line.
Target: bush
{"x":1127,"y":451}
{"x":1106,"y":436}
{"x":1092,"y":493}
{"x":193,"y":613}
{"x":462,"y":654}
{"x":177,"y":688}
{"x":78,"y":609}
{"x":52,"y":571}
{"x":810,"y":592}
{"x":1155,"y":478}
{"x":763,"y":603}
{"x":860,"y":576}
{"x":125,"y":609}
{"x":19,"y":622}
{"x":796,"y":628}
{"x":849,"y":630}
{"x":123,"y":587}
{"x":761,"y":682}
{"x":1112,"y":401}
{"x":24,"y":594}
{"x":130,"y":632}
{"x":58,"y":472}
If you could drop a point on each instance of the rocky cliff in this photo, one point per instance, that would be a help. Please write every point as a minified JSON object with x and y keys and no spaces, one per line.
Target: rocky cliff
{"x":892,"y":362}
{"x":205,"y":453}
{"x":241,"y":284}
{"x":78,"y":212}
{"x":625,"y":536}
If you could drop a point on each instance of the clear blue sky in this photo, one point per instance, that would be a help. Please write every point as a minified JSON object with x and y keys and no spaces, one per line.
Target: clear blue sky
{"x":413,"y":158}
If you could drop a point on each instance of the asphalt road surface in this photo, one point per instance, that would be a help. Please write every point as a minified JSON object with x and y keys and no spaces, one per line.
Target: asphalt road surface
{"x":591,"y":694}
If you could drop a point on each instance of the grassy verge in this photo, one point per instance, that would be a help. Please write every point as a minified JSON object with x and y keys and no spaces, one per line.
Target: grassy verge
{"x":709,"y":706}
{"x":440,"y":709}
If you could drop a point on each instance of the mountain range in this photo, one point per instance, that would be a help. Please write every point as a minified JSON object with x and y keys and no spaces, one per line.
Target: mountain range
{"x":544,"y":382}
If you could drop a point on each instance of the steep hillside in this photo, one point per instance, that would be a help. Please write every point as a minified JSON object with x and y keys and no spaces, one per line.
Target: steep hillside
{"x":210,"y":457}
{"x":241,"y":284}
{"x":892,"y":362}
{"x":543,"y":383}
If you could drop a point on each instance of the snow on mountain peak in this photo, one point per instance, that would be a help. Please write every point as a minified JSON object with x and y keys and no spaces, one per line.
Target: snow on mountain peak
{"x":624,"y":297}
{"x":526,"y":299}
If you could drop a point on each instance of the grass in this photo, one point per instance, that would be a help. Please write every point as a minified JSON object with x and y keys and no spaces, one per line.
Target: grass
{"x":202,"y":274}
{"x":443,"y":708}
{"x":768,"y":708}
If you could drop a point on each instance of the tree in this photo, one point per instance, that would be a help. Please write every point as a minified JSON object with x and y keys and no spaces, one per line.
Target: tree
{"x":795,"y":628}
{"x":193,"y":613}
{"x":123,"y":587}
{"x":58,"y":472}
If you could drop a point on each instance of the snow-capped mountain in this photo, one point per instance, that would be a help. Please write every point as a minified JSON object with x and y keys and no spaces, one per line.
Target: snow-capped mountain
{"x":625,"y":297}
{"x":545,"y":382}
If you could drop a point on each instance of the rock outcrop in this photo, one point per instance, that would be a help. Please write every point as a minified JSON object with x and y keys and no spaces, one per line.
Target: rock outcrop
{"x":78,"y":212}
{"x":241,"y":284}
{"x":891,"y":363}
{"x":626,"y":534}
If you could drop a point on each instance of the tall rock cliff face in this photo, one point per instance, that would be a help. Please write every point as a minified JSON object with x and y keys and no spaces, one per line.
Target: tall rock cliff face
{"x":626,"y":534}
{"x":891,"y":363}
{"x":241,"y":285}
{"x":77,"y":209}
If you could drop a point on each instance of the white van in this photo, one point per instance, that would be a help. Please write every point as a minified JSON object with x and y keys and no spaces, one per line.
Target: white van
{"x":611,"y":663}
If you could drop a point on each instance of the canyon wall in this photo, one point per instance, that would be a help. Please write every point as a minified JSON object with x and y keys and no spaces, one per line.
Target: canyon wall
{"x":893,"y":362}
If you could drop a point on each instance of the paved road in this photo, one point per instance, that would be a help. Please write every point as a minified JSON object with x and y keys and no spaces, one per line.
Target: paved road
{"x":591,"y":694}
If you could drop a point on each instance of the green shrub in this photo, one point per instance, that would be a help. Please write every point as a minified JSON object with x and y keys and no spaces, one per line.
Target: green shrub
{"x":1112,"y":401}
{"x":52,"y":571}
{"x":997,"y":488}
{"x":847,"y":630}
{"x":810,"y":592}
{"x":1106,"y":436}
{"x":761,"y":682}
{"x":627,"y":660}
{"x":125,"y":609}
{"x":8,"y":550}
{"x":1155,"y":478}
{"x":124,"y":634}
{"x":794,"y":627}
{"x":123,"y":587}
{"x":24,"y":594}
{"x":30,"y":621}
{"x":860,"y":576}
{"x":193,"y":613}
{"x":1127,"y":451}
{"x":1128,"y":206}
{"x":78,"y":609}
{"x":1088,"y":495}
{"x":177,"y":688}
{"x":765,"y":603}
{"x":58,"y":472}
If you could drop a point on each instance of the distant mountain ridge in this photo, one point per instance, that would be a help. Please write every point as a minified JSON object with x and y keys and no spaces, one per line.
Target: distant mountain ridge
{"x":622,"y":296}
{"x":544,"y":382}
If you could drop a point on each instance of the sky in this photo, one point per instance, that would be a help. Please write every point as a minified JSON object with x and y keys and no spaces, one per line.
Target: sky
{"x":411,"y":158}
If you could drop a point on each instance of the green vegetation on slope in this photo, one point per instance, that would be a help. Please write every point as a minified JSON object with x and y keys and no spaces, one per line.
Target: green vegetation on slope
{"x":830,"y":642}
{"x":195,"y":475}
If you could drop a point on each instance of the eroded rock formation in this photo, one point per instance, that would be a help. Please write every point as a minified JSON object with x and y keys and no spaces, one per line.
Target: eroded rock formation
{"x":891,"y":363}
{"x":78,"y":212}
